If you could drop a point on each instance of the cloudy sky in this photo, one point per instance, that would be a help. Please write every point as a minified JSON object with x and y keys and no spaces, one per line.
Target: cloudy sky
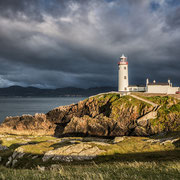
{"x":60,"y":43}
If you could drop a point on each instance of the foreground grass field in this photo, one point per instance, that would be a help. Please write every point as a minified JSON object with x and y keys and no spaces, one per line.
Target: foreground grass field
{"x":109,"y":170}
{"x":122,"y":158}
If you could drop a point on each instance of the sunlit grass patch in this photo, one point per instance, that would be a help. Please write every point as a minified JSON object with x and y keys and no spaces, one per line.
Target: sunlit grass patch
{"x":135,"y":145}
{"x":39,"y":148}
{"x":9,"y":140}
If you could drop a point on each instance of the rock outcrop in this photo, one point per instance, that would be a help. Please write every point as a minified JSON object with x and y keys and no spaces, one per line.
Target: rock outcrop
{"x":107,"y":115}
{"x":80,"y":151}
{"x":28,"y":124}
{"x":44,"y":151}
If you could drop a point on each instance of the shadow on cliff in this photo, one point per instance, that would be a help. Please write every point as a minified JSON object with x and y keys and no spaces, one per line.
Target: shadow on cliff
{"x":80,"y":134}
{"x":106,"y":109}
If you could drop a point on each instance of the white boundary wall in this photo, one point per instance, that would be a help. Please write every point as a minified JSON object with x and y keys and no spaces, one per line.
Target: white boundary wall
{"x":164,"y":89}
{"x":173,"y":90}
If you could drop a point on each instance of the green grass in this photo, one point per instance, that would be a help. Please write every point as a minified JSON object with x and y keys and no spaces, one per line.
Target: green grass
{"x":164,"y":117}
{"x":131,"y":148}
{"x":109,"y":170}
{"x":133,"y":158}
{"x":166,"y":101}
{"x":112,"y":104}
{"x":135,"y":145}
{"x":10,"y":140}
{"x":170,"y":107}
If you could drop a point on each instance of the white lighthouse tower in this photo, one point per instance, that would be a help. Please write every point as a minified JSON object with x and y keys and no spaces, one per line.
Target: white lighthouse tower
{"x":123,"y":74}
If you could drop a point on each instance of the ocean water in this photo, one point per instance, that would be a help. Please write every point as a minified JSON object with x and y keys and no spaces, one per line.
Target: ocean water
{"x":17,"y":106}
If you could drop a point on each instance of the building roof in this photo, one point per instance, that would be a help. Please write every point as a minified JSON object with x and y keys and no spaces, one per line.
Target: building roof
{"x":162,"y":84}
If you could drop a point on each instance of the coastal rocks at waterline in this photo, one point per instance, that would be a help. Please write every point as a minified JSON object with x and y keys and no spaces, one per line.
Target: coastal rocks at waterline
{"x":107,"y":115}
{"x":28,"y":124}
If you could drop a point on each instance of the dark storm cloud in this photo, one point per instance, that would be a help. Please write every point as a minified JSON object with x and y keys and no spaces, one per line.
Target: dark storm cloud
{"x":61,"y":43}
{"x":34,"y":9}
{"x":173,"y":19}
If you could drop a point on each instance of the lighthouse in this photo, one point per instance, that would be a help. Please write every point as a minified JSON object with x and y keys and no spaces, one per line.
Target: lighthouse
{"x":123,"y":81}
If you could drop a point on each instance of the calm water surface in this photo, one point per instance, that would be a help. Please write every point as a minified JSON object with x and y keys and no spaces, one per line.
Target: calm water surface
{"x":17,"y":106}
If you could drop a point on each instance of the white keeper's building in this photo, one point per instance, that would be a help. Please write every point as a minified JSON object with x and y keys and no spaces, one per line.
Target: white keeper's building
{"x":154,"y":87}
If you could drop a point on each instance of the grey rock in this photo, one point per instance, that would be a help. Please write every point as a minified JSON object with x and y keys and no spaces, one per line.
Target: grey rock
{"x":14,"y":162}
{"x":41,"y":168}
{"x":118,"y":139}
{"x":142,"y":123}
{"x":2,"y":148}
{"x":81,"y":151}
{"x":19,"y":150}
{"x":20,"y":155}
{"x":34,"y":157}
{"x":14,"y":154}
{"x":9,"y":161}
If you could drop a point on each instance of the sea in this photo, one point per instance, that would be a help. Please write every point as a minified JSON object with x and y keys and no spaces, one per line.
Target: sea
{"x":16,"y":106}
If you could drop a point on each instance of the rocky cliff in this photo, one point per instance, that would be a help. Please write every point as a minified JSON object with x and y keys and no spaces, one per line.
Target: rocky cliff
{"x":106,"y":115}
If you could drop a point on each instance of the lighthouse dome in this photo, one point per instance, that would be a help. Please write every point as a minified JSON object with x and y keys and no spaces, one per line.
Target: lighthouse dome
{"x":123,"y":56}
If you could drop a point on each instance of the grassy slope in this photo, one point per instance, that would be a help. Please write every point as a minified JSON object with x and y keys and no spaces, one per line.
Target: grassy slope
{"x":114,"y":170}
{"x":131,"y":148}
{"x":169,"y":106}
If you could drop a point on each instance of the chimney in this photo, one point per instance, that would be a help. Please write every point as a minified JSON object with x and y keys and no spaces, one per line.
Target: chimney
{"x":147,"y":81}
{"x":169,"y":81}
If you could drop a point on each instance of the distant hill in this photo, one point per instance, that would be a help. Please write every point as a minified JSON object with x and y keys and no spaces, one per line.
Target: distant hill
{"x":67,"y":91}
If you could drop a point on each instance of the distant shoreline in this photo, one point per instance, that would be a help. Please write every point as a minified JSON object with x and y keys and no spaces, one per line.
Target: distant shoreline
{"x":18,"y":91}
{"x":43,"y":96}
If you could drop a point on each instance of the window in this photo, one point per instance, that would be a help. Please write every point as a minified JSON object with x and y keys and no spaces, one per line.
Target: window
{"x":125,"y":89}
{"x":124,"y":77}
{"x":124,"y":67}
